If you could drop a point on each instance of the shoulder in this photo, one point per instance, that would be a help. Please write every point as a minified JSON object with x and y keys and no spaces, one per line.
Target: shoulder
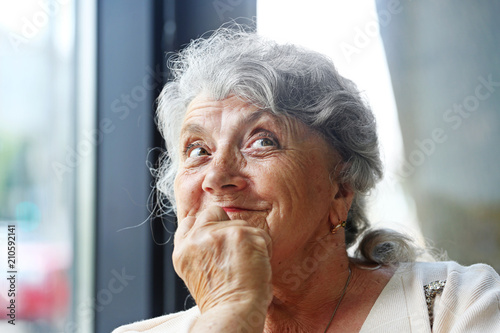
{"x":468,"y":297}
{"x":482,"y":276}
{"x":460,"y":282}
{"x":470,"y":300}
{"x":447,"y":269}
{"x":175,"y":322}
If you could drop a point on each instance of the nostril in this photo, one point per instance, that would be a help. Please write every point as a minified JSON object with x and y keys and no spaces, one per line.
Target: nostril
{"x":214,"y":185}
{"x":223,"y":174}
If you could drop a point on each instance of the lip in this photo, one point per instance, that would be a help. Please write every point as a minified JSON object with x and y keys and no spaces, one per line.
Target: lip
{"x":235,"y":209}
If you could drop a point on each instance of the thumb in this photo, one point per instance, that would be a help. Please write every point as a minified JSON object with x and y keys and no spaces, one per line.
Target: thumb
{"x":212,"y":214}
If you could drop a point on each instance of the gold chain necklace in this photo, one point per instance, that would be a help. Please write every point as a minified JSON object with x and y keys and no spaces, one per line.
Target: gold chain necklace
{"x":341,"y":298}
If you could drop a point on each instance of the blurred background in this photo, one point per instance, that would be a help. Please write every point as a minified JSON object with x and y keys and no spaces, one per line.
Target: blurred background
{"x":78,"y":83}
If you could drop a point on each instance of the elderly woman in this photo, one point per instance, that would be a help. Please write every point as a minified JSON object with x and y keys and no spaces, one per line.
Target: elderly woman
{"x":270,"y":154}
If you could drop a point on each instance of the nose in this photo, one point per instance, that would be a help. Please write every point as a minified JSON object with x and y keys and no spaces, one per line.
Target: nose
{"x":224,"y":175}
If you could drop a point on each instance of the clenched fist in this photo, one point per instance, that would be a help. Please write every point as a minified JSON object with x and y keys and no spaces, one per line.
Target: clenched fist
{"x":225,"y":264}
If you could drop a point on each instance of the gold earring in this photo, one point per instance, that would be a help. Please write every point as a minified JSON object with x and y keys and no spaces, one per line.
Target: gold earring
{"x":335,"y":228}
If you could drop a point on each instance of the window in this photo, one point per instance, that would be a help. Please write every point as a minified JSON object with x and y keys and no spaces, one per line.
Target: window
{"x":37,"y":162}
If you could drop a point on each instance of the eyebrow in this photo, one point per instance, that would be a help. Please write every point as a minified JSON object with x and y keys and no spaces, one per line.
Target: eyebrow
{"x":257,"y":115}
{"x":192,"y":129}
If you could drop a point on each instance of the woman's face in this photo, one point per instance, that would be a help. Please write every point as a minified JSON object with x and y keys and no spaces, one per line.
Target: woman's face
{"x":272,"y":172}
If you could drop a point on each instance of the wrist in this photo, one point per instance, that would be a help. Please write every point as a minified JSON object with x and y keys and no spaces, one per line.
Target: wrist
{"x":244,"y":315}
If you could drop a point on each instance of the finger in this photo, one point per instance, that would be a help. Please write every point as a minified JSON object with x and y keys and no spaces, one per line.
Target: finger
{"x":184,"y":226}
{"x":263,"y":238}
{"x":254,"y":233}
{"x":212,"y":214}
{"x":269,"y":242}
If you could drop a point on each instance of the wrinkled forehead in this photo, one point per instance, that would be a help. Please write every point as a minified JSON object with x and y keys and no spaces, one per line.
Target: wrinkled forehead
{"x":236,"y":111}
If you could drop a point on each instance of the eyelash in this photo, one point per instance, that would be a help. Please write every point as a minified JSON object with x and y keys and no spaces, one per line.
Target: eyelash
{"x":267,"y":135}
{"x":190,"y":146}
{"x":260,"y":135}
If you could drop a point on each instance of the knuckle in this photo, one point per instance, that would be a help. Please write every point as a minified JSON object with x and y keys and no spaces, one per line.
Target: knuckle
{"x":261,"y":243}
{"x":237,"y":235}
{"x":213,"y":236}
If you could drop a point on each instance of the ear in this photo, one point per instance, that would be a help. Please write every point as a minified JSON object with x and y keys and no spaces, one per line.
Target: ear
{"x":341,"y":202}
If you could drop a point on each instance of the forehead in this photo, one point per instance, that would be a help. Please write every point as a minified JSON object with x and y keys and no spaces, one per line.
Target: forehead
{"x":233,"y":111}
{"x":231,"y":102}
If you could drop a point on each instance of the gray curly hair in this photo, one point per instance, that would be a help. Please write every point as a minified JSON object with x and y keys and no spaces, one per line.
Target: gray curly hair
{"x":286,"y":80}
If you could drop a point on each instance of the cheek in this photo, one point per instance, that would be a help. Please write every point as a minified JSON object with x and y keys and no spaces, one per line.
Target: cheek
{"x":300,"y":179}
{"x":299,"y":187}
{"x":187,"y":194}
{"x":283,"y":182}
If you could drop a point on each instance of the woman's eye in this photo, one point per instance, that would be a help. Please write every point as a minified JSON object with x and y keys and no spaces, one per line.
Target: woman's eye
{"x":263,"y":142}
{"x":197,"y":152}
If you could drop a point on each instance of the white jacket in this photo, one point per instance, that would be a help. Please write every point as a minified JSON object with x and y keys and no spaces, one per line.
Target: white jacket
{"x":469,"y":302}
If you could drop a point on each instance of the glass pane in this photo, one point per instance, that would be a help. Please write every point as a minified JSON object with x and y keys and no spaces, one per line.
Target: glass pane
{"x":37,"y":164}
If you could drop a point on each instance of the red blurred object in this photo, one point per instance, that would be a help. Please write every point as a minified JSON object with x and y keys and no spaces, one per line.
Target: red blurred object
{"x":43,"y":289}
{"x":49,"y":300}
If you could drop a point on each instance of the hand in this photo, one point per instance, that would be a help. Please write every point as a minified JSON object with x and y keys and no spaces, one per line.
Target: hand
{"x":224,"y":263}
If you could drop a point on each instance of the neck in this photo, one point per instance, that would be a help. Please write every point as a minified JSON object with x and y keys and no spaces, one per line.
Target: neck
{"x":307,"y":291}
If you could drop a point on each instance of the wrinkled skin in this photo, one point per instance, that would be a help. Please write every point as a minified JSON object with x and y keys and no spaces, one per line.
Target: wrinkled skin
{"x":208,"y":256}
{"x":254,"y":193}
